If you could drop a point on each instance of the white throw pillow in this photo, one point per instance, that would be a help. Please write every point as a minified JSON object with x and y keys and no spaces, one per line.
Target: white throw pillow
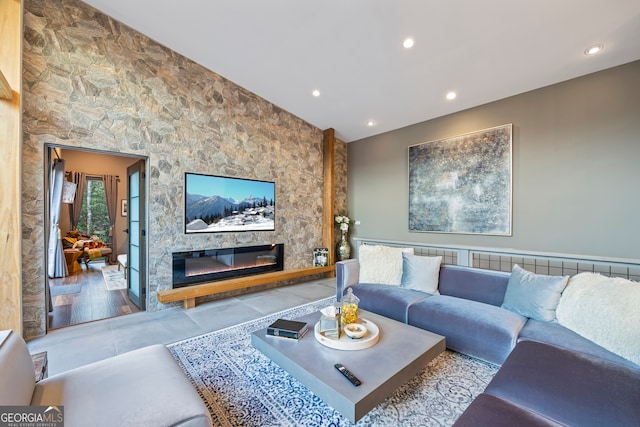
{"x":605,"y":311}
{"x":421,"y":273}
{"x":381,"y":264}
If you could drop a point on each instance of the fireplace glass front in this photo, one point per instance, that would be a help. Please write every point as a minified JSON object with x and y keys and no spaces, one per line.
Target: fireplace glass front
{"x":192,"y":267}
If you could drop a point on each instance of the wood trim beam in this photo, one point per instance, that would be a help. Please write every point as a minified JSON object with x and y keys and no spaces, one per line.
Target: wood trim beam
{"x":11,"y":295}
{"x":328,"y":159}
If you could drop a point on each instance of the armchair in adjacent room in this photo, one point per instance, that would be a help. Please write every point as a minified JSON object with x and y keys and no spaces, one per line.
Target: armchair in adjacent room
{"x":91,"y":248}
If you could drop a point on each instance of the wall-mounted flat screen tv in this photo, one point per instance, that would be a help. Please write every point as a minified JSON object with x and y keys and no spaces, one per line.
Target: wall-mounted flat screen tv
{"x":218,"y":204}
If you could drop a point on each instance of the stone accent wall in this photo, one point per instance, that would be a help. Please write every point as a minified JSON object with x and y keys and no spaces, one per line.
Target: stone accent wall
{"x":91,"y":82}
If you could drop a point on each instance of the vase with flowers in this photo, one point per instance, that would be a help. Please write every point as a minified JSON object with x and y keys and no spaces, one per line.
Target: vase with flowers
{"x":343,"y":249}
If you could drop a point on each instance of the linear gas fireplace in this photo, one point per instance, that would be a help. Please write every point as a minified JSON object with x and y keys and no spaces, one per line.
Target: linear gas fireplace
{"x":209,"y":265}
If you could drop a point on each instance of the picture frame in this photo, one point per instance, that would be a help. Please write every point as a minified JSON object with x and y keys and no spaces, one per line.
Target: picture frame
{"x":123,"y":207}
{"x":462,"y":184}
{"x":320,"y":257}
{"x":68,"y":192}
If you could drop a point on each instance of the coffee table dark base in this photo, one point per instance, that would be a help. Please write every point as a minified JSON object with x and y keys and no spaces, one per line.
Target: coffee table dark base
{"x":399,"y":355}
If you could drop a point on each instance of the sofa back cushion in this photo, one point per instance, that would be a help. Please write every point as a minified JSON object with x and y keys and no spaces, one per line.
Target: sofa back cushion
{"x":16,"y":369}
{"x":475,"y":284}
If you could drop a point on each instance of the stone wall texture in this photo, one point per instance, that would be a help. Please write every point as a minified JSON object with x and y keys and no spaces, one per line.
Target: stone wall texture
{"x":91,"y":82}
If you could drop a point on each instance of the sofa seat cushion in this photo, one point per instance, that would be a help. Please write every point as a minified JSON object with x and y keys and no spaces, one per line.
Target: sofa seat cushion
{"x":559,"y":336}
{"x":388,"y":301}
{"x":470,"y":327}
{"x":488,"y":410}
{"x":568,"y":387}
{"x":145,"y":387}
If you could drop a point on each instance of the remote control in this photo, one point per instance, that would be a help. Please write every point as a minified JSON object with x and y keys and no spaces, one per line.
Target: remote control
{"x":344,"y":371}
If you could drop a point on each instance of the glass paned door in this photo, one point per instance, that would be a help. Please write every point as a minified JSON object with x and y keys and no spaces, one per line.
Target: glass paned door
{"x":136,"y":277}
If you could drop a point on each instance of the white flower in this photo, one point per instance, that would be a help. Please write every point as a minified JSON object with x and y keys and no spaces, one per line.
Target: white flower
{"x":344,"y":222}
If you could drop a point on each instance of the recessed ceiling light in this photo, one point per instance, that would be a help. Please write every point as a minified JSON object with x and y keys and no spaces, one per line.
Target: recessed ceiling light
{"x":451,"y":95}
{"x":316,"y":93}
{"x":408,"y":43}
{"x":371,"y":123}
{"x":594,"y":49}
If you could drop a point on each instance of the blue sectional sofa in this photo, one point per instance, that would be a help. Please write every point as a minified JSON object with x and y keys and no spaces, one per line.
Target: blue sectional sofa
{"x":542,"y":362}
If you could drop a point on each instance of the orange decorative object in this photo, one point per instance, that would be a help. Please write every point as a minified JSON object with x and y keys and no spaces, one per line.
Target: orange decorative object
{"x":71,"y":256}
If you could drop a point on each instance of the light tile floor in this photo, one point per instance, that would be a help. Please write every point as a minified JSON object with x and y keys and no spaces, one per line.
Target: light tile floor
{"x":79,"y":345}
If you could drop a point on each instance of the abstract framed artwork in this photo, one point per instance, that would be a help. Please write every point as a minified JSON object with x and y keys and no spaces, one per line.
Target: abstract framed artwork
{"x":462,"y":184}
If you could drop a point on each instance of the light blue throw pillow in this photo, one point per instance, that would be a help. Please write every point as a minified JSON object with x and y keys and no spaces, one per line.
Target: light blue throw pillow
{"x":534,"y":295}
{"x":421,"y":273}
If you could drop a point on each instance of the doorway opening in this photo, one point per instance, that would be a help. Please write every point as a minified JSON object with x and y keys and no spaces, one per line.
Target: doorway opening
{"x":88,"y":255}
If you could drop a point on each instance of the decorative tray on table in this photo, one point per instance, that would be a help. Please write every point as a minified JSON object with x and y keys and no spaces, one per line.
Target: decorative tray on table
{"x":369,"y":339}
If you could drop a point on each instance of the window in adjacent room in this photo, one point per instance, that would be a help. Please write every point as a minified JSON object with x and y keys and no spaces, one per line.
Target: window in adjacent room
{"x":94,"y":219}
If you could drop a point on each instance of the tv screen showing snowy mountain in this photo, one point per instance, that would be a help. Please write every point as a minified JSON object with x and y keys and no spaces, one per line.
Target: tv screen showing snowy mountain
{"x":215,"y":204}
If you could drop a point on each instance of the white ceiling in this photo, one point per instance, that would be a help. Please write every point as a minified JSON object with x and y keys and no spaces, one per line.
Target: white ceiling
{"x":351,"y":50}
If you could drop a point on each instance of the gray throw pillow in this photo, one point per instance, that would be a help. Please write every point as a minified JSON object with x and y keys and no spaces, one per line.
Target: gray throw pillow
{"x":534,"y":295}
{"x":421,"y":273}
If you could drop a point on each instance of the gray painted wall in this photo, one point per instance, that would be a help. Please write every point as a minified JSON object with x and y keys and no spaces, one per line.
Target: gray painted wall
{"x":576,"y":169}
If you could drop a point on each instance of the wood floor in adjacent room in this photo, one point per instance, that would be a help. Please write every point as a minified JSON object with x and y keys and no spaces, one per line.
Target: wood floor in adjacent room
{"x":83,"y":297}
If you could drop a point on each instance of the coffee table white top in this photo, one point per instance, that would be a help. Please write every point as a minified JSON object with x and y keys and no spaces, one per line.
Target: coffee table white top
{"x":401,"y":352}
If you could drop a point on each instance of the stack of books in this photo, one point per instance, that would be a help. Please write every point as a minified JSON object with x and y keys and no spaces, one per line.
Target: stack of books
{"x":287,"y":329}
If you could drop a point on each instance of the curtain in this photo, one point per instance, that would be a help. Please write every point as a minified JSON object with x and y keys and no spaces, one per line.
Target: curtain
{"x":57,"y":265}
{"x":111,"y":194}
{"x":80,"y":179}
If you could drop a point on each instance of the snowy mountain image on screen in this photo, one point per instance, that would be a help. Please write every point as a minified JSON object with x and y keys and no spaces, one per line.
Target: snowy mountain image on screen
{"x":216,"y":214}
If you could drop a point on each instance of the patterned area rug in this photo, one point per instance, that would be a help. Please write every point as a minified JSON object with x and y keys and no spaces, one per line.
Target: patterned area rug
{"x":113,"y":278}
{"x":242,"y":387}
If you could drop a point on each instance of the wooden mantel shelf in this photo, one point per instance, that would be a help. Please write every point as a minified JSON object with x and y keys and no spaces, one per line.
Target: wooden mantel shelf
{"x":189,"y":294}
